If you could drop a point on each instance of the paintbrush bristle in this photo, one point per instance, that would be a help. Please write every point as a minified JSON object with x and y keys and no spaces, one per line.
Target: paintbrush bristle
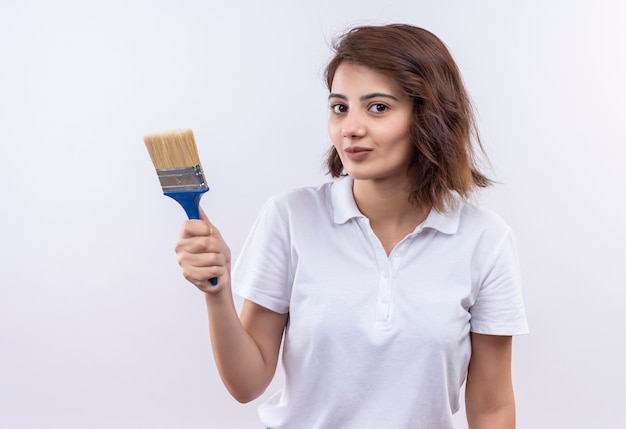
{"x":174,"y":149}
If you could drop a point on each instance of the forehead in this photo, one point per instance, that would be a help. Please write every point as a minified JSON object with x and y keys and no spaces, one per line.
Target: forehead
{"x":356,"y":78}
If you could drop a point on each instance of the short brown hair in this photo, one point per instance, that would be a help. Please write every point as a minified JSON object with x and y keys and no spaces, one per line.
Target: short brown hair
{"x":445,"y":162}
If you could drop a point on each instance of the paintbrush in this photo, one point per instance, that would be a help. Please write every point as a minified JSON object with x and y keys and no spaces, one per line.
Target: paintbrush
{"x":175,"y":158}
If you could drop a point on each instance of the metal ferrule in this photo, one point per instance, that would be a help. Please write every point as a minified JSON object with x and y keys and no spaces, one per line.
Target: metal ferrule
{"x":182,"y":179}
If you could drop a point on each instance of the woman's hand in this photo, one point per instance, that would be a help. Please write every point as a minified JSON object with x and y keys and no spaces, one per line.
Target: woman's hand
{"x":203,"y":254}
{"x":246,"y":354}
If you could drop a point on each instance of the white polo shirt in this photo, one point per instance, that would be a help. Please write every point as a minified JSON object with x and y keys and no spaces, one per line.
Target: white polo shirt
{"x":376,"y":341}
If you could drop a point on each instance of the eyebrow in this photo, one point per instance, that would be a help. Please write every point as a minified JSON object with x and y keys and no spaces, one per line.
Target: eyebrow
{"x":365,"y":97}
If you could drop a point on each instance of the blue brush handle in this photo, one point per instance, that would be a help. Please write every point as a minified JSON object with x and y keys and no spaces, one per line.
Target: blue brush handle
{"x":190,"y":201}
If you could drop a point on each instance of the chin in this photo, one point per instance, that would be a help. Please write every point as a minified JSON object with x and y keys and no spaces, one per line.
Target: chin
{"x":356,"y":173}
{"x":361,"y":175}
{"x":375,"y":175}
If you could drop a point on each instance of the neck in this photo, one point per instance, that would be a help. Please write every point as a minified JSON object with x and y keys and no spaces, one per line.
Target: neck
{"x":387,"y":203}
{"x":392,"y":217}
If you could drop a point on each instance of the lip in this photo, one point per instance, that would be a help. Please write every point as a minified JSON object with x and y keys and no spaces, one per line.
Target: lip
{"x":356,"y":153}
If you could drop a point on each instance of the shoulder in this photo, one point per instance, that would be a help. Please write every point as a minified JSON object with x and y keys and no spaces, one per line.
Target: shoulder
{"x":483,"y":229}
{"x":481,"y":219}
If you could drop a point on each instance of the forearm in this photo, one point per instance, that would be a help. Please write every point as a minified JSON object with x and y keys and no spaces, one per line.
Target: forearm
{"x":245,"y":359}
{"x":238,"y":358}
{"x":489,"y":398}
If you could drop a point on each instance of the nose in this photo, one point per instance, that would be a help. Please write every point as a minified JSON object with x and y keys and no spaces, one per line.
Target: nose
{"x":353,"y":125}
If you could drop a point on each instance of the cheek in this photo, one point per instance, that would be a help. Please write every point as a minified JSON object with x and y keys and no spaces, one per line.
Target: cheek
{"x":394,"y":134}
{"x":403,"y":135}
{"x":334,"y":132}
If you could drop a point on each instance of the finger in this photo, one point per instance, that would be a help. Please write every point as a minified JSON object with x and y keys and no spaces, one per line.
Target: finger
{"x":203,"y":215}
{"x":201,"y":260}
{"x":198,"y":245}
{"x":195,"y":228}
{"x":212,"y":229}
{"x":202,"y":276}
{"x":205,"y":218}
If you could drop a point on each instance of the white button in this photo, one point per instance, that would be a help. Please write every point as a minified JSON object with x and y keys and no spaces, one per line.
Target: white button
{"x":385,"y":300}
{"x":385,"y":275}
{"x":397,"y":254}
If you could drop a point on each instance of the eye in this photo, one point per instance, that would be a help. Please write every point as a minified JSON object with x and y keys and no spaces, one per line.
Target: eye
{"x":378,"y":108}
{"x":339,"y":108}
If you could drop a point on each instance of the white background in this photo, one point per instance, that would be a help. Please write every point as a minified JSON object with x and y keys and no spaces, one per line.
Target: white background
{"x":97,"y":327}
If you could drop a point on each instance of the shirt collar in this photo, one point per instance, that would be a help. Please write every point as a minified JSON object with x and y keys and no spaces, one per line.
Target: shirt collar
{"x":345,"y":208}
{"x":447,"y":222}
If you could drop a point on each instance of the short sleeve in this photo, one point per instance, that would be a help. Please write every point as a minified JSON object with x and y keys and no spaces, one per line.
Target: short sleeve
{"x":263,"y":271}
{"x":499,"y":307}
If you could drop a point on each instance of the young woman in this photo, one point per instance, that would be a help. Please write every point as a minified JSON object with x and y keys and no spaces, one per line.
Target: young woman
{"x":389,"y":288}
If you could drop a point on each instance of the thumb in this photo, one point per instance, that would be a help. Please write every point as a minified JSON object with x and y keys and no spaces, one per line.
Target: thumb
{"x":213,"y":228}
{"x":203,"y":215}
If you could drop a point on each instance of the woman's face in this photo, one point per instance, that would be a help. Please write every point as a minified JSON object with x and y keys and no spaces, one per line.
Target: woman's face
{"x":369,"y":123}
